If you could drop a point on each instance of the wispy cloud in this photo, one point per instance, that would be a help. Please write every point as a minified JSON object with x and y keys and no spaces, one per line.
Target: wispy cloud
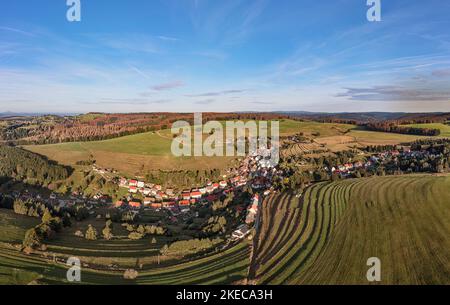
{"x":167,"y":38}
{"x":217,"y":93}
{"x":130,"y":101}
{"x":140,"y":72}
{"x":168,"y":86}
{"x":14,"y":30}
{"x":395,"y":93}
{"x":205,"y":102}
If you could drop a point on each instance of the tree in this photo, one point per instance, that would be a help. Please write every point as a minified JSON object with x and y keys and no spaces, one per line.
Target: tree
{"x":91,"y":233}
{"x":164,"y":250}
{"x":135,"y":236}
{"x":47,"y":216}
{"x":107,"y":231}
{"x":31,"y":240}
{"x":20,"y":207}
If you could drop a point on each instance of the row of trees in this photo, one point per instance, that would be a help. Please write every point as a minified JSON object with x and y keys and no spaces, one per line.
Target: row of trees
{"x":35,"y":237}
{"x":391,"y":127}
{"x":183,"y":178}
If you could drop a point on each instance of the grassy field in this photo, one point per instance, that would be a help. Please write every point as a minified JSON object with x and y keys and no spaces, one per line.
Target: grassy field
{"x":364,"y":137}
{"x":327,"y":236}
{"x":226,"y":267}
{"x":152,"y":151}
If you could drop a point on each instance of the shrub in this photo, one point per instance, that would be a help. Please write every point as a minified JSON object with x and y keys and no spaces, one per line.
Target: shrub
{"x":135,"y":236}
{"x":91,"y":233}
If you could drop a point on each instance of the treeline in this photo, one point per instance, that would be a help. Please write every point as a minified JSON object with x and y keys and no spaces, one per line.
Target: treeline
{"x":390,"y":127}
{"x":190,"y":247}
{"x":22,"y":165}
{"x":98,"y":126}
{"x":184,"y":178}
{"x":417,"y":145}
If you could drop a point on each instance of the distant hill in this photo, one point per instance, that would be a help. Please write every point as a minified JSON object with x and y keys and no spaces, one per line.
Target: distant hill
{"x":365,"y":117}
{"x":9,"y":114}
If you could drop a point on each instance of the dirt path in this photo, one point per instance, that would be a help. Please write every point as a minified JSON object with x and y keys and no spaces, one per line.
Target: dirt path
{"x":254,"y":251}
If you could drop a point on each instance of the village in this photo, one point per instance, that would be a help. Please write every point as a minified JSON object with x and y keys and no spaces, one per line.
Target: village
{"x":399,"y":158}
{"x":255,"y":172}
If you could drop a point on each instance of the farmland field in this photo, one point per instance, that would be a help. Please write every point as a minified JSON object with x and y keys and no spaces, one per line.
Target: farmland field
{"x":326,"y":236}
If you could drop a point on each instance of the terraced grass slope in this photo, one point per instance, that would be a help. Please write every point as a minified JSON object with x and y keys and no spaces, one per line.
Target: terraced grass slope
{"x":326,"y":236}
{"x":16,"y":267}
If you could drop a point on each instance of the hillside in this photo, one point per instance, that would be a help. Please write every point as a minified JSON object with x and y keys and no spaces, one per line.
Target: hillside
{"x":152,"y":150}
{"x":226,"y":267}
{"x":326,"y":236}
{"x":366,"y":117}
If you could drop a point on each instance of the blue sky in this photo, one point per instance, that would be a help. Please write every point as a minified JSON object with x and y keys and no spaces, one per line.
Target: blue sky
{"x":230,"y":55}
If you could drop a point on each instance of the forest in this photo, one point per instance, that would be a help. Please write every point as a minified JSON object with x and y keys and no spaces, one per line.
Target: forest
{"x":391,"y":127}
{"x":22,"y":165}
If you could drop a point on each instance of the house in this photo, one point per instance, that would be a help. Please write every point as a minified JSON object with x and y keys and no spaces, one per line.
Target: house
{"x":170,"y":192}
{"x":156,"y":205}
{"x":133,"y":183}
{"x":148,"y":200}
{"x":185,"y":209}
{"x":358,"y":164}
{"x":396,"y":153}
{"x":140,"y":184}
{"x":215,"y":186}
{"x":235,"y":179}
{"x":202,"y":190}
{"x":250,"y":218}
{"x":146,"y":191}
{"x":123,"y":182}
{"x":184,"y":203}
{"x":169,"y":204}
{"x":258,"y":183}
{"x":135,"y":204}
{"x":195,"y":195}
{"x":163,"y":195}
{"x":255,"y":205}
{"x":223,"y":184}
{"x":158,"y":187}
{"x":186,"y":196}
{"x":119,"y":204}
{"x":133,"y":189}
{"x":241,"y":232}
{"x":158,"y":197}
